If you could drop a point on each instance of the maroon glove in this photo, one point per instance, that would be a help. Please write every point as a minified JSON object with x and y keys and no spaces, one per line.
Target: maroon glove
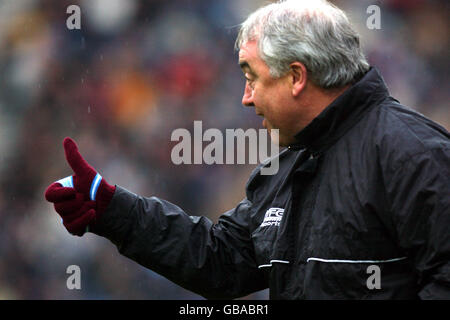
{"x":79,"y":199}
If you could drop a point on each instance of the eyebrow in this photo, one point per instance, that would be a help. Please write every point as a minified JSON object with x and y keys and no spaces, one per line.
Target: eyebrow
{"x":244,"y":64}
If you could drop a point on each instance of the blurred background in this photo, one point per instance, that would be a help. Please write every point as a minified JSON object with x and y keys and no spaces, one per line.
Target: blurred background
{"x":133,"y":73}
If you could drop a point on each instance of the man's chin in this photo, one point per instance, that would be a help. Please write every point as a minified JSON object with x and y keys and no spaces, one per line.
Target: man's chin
{"x":277,"y":139}
{"x":275,"y":136}
{"x":281,"y":141}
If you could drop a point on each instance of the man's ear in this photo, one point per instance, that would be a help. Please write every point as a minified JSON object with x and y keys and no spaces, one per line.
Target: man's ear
{"x":299,"y":77}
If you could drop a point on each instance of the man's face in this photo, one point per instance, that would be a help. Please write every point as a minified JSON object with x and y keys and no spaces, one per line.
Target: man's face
{"x":271,"y":98}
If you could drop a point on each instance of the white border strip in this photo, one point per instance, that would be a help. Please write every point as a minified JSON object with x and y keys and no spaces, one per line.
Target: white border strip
{"x":354,"y":261}
{"x":270,"y":263}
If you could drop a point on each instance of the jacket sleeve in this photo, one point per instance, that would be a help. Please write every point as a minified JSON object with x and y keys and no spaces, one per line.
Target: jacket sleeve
{"x":213,"y":260}
{"x":419,"y":196}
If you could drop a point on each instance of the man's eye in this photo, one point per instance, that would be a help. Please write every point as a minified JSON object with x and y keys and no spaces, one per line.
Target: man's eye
{"x":250,"y":81}
{"x":248,"y":77}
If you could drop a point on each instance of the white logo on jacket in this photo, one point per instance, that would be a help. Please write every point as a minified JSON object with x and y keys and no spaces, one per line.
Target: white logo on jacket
{"x":273,"y":217}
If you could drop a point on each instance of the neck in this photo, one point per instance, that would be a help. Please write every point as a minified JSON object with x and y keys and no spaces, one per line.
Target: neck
{"x":315,"y":99}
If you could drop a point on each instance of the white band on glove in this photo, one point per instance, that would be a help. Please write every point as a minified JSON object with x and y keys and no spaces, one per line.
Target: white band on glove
{"x":66,"y":182}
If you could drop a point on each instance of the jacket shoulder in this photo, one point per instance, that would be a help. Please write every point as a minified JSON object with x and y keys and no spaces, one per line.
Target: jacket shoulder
{"x":402,"y":133}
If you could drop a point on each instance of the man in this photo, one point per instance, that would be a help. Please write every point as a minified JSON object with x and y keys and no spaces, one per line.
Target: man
{"x":360,"y":206}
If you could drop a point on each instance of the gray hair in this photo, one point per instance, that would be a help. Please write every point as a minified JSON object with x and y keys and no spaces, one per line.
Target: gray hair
{"x":313,"y":32}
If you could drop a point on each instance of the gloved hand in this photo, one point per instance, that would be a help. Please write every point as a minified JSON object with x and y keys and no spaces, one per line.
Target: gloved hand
{"x":79,"y":199}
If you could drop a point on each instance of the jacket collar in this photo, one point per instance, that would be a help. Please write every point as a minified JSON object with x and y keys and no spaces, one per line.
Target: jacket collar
{"x":342,"y":113}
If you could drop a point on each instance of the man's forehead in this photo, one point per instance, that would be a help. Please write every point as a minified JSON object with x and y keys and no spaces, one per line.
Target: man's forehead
{"x":247,"y":53}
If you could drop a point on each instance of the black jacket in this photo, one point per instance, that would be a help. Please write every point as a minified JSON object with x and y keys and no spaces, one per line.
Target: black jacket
{"x":359,"y":209}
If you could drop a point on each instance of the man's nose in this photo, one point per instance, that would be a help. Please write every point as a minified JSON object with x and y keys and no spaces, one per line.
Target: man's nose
{"x":247,"y":98}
